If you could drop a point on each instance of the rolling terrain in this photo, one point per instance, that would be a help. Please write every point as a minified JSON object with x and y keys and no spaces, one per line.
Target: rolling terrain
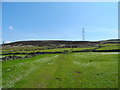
{"x":50,"y":66}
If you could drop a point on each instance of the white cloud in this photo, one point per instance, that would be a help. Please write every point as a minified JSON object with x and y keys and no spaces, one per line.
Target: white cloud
{"x":0,"y":41}
{"x":11,"y":28}
{"x":7,"y":41}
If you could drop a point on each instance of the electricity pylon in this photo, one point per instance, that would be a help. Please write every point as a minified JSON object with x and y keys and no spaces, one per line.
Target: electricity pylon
{"x":83,"y":32}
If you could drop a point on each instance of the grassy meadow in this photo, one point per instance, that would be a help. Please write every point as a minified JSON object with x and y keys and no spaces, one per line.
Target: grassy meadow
{"x":33,"y":49}
{"x":72,"y":70}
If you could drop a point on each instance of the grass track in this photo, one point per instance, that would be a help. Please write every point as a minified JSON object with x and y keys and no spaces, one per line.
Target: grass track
{"x":76,"y":70}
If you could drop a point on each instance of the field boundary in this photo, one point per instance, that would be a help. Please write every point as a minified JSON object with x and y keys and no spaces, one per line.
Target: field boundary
{"x":29,"y":55}
{"x":88,"y":50}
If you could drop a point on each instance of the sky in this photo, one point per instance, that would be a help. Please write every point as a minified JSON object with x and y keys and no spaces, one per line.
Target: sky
{"x":59,"y":21}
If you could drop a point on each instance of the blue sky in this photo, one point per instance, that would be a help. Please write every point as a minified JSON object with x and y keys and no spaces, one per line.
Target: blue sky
{"x":59,"y":20}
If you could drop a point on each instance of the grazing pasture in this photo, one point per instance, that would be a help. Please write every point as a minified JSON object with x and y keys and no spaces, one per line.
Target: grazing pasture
{"x":72,"y":70}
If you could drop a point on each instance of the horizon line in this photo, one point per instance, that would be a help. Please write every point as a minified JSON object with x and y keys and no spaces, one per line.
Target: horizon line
{"x":61,"y":40}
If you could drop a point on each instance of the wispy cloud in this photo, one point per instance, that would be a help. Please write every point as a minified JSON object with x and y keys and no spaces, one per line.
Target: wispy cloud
{"x":11,"y":28}
{"x":93,"y":29}
{"x":0,"y":41}
{"x":91,"y":32}
{"x":7,"y":41}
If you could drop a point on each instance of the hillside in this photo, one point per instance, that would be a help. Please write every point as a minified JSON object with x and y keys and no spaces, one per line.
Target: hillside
{"x":60,"y":43}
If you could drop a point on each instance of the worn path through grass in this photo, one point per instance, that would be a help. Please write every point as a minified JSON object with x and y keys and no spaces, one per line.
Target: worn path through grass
{"x":74,"y":70}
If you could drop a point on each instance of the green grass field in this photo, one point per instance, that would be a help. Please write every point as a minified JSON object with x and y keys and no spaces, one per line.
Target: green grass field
{"x":109,"y":47}
{"x":46,"y":50}
{"x":28,"y":50}
{"x":0,"y":74}
{"x":73,"y":70}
